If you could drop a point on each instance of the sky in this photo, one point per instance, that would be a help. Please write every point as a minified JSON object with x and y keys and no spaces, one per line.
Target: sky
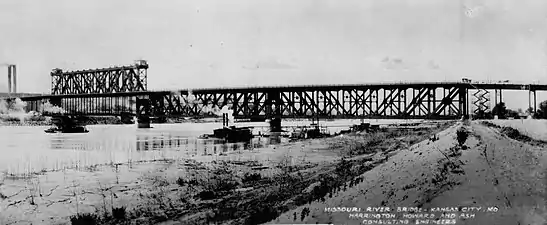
{"x":219,"y":43}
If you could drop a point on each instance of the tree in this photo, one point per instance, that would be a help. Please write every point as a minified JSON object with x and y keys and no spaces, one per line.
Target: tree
{"x":542,"y":110}
{"x":530,"y":110}
{"x":512,"y":113}
{"x":483,"y":114}
{"x":500,"y":110}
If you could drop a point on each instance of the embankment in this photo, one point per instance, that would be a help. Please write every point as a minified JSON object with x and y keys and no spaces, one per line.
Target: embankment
{"x":491,"y":169}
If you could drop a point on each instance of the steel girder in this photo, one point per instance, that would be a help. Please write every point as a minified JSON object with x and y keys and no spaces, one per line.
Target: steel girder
{"x":143,"y":106}
{"x":130,"y":78}
{"x":98,"y":106}
{"x":251,"y":104}
{"x":385,"y":102}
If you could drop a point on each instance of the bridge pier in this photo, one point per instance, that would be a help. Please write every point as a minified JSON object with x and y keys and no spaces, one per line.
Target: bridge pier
{"x":143,"y":121}
{"x":468,"y":104}
{"x":143,"y":111}
{"x":532,"y":104}
{"x":275,"y":124}
{"x":495,"y":97}
{"x":535,"y":99}
{"x":273,"y":102}
{"x":55,"y":101}
{"x":463,"y":102}
{"x":498,"y":96}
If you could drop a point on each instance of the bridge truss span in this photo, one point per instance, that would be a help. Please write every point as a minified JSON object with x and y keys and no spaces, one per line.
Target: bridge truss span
{"x":328,"y":102}
{"x":130,"y":78}
{"x":434,"y":101}
{"x":396,"y":101}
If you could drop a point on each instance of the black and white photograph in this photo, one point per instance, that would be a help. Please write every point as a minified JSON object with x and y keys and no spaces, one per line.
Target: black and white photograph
{"x":248,"y":112}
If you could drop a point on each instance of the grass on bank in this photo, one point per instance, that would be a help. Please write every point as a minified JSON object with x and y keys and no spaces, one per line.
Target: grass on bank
{"x":513,"y":133}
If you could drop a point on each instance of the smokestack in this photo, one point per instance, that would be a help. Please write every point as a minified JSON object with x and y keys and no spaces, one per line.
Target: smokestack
{"x":14,"y":71}
{"x":9,"y":78}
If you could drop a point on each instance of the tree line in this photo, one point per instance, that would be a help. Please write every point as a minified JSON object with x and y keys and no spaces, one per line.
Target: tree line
{"x":503,"y":112}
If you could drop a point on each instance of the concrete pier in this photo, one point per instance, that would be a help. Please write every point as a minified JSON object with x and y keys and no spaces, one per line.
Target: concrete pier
{"x":275,"y":125}
{"x":143,"y":121}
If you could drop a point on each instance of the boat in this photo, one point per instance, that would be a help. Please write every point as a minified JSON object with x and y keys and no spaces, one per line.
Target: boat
{"x":233,"y":134}
{"x":312,"y":131}
{"x":65,"y":124}
{"x":79,"y":129}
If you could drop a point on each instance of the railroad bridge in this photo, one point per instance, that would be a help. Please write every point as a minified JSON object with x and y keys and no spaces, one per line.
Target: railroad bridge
{"x":123,"y":91}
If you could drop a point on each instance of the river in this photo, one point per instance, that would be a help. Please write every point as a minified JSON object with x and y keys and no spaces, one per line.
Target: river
{"x":27,"y":149}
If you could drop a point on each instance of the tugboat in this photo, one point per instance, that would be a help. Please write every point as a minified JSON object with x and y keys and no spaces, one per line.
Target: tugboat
{"x":65,"y":124}
{"x":231,"y":134}
{"x":314,"y":130}
{"x":234,"y":134}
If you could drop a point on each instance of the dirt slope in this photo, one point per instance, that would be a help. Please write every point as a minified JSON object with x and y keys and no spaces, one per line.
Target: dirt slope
{"x":493,"y":171}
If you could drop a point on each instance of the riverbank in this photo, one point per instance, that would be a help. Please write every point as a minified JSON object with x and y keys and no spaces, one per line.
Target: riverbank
{"x":497,"y":169}
{"x":247,"y":186}
{"x":29,"y":120}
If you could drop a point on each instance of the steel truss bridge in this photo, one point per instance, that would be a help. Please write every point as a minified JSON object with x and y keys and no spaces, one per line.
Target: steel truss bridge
{"x":123,"y":91}
{"x":397,"y":101}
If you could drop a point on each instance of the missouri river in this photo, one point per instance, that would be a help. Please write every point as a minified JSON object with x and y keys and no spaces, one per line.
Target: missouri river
{"x":26,"y":149}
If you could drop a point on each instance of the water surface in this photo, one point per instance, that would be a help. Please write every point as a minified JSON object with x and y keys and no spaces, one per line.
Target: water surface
{"x":25,"y":149}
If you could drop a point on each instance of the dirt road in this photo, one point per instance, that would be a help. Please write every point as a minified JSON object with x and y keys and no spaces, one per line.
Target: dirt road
{"x":505,"y":173}
{"x":494,"y":171}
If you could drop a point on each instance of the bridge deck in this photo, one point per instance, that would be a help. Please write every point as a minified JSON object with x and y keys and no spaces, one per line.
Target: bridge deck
{"x":504,"y":86}
{"x":380,"y":100}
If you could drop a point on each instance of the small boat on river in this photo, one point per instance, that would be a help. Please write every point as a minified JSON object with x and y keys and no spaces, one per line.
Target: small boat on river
{"x":79,"y":129}
{"x":65,"y":124}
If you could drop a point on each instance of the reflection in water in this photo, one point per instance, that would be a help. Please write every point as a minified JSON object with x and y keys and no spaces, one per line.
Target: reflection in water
{"x":29,"y":149}
{"x":158,"y":143}
{"x":193,"y":145}
{"x":147,"y":142}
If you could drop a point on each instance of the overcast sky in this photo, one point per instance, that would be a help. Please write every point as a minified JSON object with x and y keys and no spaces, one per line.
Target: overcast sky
{"x":206,"y":43}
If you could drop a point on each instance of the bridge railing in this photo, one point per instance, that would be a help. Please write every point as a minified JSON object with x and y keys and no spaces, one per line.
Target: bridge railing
{"x":303,"y":85}
{"x":509,"y":82}
{"x":343,"y":85}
